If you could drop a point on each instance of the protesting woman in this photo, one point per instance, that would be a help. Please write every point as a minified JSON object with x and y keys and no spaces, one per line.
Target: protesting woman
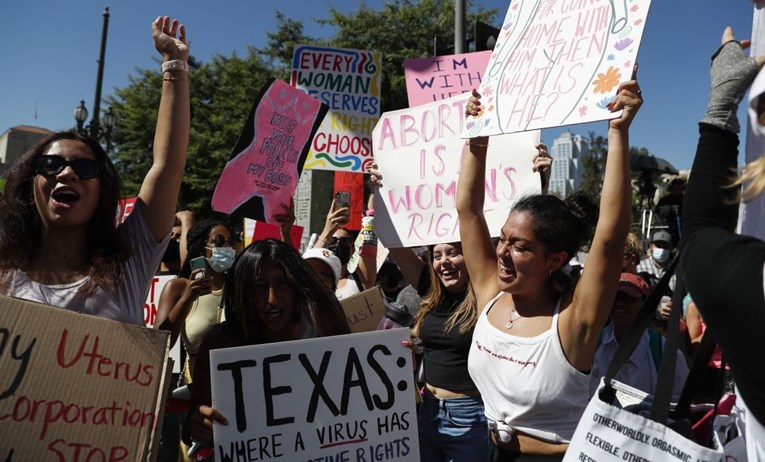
{"x":271,"y":295}
{"x":536,"y":335}
{"x":59,"y":244}
{"x":730,"y":295}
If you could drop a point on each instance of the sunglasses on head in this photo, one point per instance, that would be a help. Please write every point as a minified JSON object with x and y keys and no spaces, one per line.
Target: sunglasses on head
{"x":52,"y":165}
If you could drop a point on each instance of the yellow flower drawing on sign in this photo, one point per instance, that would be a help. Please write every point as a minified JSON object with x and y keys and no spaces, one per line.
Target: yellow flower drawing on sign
{"x":606,"y":82}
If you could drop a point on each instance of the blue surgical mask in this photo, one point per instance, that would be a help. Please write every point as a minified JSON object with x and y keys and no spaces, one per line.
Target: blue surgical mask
{"x":660,"y":255}
{"x":222,"y":258}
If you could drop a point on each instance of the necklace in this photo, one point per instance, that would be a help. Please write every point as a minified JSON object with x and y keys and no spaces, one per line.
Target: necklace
{"x":510,"y":321}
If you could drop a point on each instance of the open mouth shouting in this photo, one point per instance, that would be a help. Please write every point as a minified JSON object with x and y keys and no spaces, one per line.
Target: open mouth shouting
{"x":64,"y":196}
{"x":506,"y":270}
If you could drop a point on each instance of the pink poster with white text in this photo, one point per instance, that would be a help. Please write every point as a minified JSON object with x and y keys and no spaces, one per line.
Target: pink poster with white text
{"x":268,"y":158}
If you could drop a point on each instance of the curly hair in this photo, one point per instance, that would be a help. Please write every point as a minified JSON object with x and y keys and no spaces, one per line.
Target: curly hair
{"x":21,"y":226}
{"x":561,"y":225}
{"x":313,"y":295}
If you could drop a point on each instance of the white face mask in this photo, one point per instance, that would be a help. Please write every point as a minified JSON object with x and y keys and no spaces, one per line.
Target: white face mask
{"x":660,"y":255}
{"x":222,"y":258}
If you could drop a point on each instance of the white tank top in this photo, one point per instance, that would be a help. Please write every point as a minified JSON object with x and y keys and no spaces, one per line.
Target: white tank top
{"x":526,"y":383}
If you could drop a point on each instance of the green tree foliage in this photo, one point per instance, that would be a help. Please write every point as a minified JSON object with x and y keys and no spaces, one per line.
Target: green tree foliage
{"x":594,"y":165}
{"x":401,"y":30}
{"x":223,"y":90}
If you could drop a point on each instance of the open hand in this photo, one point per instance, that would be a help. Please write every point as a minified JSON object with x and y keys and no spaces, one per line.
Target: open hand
{"x":165,"y":41}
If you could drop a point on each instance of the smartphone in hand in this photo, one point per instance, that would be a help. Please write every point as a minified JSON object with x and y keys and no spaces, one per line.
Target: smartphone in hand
{"x":343,"y":199}
{"x":198,"y":263}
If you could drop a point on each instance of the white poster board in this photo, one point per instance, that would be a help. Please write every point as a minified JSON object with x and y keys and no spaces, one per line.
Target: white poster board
{"x":349,"y":82}
{"x":419,"y":150}
{"x":558,"y":62}
{"x":349,"y":397}
{"x":150,"y":313}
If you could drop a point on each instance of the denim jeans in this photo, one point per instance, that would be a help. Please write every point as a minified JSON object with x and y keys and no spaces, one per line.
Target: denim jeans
{"x":453,"y":430}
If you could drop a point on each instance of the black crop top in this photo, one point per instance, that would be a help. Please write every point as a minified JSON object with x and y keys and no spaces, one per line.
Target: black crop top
{"x":445,"y":354}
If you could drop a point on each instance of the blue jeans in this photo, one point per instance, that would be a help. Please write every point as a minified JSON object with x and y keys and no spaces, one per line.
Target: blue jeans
{"x":453,"y":430}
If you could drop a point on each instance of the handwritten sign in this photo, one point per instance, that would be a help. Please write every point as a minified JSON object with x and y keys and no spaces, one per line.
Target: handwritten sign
{"x":558,"y":62}
{"x":364,"y":310}
{"x":348,"y":81}
{"x":441,"y":77}
{"x":150,"y":313}
{"x":607,"y":432}
{"x":76,"y":387}
{"x":344,"y":398}
{"x":268,"y":158}
{"x":418,"y":151}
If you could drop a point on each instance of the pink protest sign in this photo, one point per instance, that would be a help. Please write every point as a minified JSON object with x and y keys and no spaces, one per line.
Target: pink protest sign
{"x":441,"y":77}
{"x":418,"y":151}
{"x":558,"y":62}
{"x":268,"y":158}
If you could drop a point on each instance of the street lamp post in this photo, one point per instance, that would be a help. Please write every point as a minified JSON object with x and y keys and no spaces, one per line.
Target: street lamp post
{"x":94,"y":129}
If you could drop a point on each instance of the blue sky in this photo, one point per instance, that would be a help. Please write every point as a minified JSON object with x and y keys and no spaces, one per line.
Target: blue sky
{"x":49,"y":51}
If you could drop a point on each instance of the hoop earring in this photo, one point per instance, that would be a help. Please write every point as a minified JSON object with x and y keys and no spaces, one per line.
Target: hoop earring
{"x":549,"y":274}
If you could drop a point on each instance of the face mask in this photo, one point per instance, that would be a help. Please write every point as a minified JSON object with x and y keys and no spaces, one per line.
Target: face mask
{"x":660,"y":255}
{"x":341,"y":248}
{"x":222,"y":259}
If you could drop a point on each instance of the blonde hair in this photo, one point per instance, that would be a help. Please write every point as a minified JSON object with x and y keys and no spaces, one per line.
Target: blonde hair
{"x":633,"y":245}
{"x":754,"y":175}
{"x":466,"y":314}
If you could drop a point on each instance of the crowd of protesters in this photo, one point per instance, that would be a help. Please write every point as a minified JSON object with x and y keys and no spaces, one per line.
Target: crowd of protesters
{"x":59,"y":245}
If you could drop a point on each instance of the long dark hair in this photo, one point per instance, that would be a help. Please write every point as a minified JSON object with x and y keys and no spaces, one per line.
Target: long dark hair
{"x":323,"y":308}
{"x":196,"y":239}
{"x":561,"y":225}
{"x":21,"y":227}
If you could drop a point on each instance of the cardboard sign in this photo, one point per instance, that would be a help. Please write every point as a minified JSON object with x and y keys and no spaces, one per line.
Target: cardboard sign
{"x":441,"y":77}
{"x":348,"y":81}
{"x":558,"y":63}
{"x":267,"y":160}
{"x":150,"y":313}
{"x":364,"y":310}
{"x":76,"y":387}
{"x":418,"y":151}
{"x":343,"y":398}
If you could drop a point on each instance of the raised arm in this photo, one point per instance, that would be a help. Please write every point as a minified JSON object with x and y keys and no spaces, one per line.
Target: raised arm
{"x":407,"y":260}
{"x":159,"y":191}
{"x":367,"y":267}
{"x":186,"y":219}
{"x":176,"y":300}
{"x":596,"y":289}
{"x":480,"y":255}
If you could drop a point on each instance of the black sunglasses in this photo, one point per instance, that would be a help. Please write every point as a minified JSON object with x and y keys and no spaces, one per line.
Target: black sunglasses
{"x":52,"y":165}
{"x":219,"y":241}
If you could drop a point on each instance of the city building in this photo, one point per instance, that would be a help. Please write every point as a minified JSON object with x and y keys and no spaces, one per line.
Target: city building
{"x":15,"y":141}
{"x":567,"y":152}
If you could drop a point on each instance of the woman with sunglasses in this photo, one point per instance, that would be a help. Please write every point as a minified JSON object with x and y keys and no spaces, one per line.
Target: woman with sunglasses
{"x":59,"y":243}
{"x":191,"y":303}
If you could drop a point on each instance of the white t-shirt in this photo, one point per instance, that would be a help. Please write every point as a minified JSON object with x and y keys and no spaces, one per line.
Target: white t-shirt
{"x":127,"y":304}
{"x":526,"y":383}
